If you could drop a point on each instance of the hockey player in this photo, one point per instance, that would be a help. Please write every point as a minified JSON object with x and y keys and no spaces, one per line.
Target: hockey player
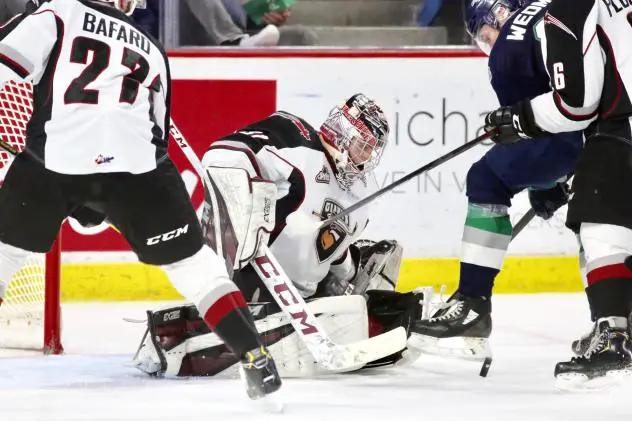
{"x":316,"y":173}
{"x":587,"y":50}
{"x":98,"y":135}
{"x":509,"y":32}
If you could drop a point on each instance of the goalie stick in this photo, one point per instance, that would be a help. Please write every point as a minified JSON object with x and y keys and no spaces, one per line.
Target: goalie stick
{"x":444,"y":158}
{"x":332,"y":356}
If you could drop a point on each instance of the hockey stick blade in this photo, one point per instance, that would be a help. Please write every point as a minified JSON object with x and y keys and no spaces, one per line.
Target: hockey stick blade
{"x":444,"y":158}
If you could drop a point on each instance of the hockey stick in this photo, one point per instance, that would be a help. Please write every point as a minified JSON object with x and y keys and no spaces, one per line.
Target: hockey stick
{"x":12,"y":151}
{"x":330,"y":355}
{"x":522,"y":223}
{"x":456,"y":152}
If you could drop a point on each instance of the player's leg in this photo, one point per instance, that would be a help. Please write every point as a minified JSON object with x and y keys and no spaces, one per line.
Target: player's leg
{"x":32,"y":208}
{"x":154,"y":213}
{"x":491,"y":184}
{"x":603,"y":217}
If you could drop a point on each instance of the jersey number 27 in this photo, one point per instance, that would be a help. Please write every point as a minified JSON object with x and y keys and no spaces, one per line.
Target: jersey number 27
{"x":78,"y":92}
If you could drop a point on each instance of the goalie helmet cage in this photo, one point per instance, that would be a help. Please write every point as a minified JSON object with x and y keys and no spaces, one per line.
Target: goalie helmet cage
{"x":30,"y":316}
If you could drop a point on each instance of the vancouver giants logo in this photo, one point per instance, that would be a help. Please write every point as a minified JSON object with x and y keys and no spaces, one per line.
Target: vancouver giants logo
{"x":331,"y":236}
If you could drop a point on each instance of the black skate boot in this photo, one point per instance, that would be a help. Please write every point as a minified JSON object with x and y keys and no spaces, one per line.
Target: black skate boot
{"x":609,"y":354}
{"x":260,"y":372}
{"x":460,"y":329}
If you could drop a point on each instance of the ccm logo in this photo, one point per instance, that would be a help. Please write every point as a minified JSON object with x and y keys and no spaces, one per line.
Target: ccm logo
{"x":177,"y":136}
{"x":167,"y":235}
{"x":172,"y":315}
{"x":283,"y":292}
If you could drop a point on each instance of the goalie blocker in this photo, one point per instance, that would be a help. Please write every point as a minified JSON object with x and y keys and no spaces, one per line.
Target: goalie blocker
{"x":177,"y":343}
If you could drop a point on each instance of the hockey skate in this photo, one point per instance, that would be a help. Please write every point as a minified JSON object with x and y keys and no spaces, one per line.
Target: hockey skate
{"x":582,"y":345}
{"x":607,"y":359}
{"x":460,"y":329}
{"x":260,"y":373}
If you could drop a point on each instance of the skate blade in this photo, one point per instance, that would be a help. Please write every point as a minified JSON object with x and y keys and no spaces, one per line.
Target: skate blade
{"x":474,"y":349}
{"x":271,"y":402}
{"x":577,"y":382}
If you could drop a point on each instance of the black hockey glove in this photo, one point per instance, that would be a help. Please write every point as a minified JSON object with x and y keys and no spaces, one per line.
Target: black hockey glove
{"x":389,"y":310}
{"x":513,"y":124}
{"x":546,"y":202}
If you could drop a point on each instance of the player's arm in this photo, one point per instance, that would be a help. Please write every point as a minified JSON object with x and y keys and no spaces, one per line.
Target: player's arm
{"x":572,"y":55}
{"x":575,"y":65}
{"x":26,"y":43}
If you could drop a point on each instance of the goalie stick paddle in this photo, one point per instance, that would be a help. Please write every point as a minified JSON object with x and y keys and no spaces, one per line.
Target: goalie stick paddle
{"x":327,"y":353}
{"x":456,"y":152}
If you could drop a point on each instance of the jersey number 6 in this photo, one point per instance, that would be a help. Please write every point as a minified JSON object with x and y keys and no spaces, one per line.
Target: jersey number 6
{"x":558,"y":75}
{"x":78,"y":92}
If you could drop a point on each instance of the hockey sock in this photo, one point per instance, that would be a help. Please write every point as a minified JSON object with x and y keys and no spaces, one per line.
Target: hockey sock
{"x":202,"y":279}
{"x":231,"y":320}
{"x":609,"y":279}
{"x":486,"y":237}
{"x":610,"y":296}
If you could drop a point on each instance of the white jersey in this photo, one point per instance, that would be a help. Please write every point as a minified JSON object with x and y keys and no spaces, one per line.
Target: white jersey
{"x":586,"y":45}
{"x":285,"y":149}
{"x":101,"y":87}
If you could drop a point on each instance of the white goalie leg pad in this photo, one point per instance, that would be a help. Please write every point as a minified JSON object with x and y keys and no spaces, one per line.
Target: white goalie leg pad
{"x":239,"y":215}
{"x":11,"y":260}
{"x":345,"y":320}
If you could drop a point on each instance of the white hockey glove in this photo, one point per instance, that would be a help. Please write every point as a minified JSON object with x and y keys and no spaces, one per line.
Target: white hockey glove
{"x":239,"y":215}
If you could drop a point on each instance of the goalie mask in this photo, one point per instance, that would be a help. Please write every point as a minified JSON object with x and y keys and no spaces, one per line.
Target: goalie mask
{"x":128,"y":6}
{"x":355,"y":135}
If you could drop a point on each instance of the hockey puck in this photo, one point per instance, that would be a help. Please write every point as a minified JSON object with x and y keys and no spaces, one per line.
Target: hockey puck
{"x":485,"y":368}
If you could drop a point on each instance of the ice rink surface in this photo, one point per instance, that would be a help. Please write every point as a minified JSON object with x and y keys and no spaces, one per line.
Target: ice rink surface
{"x":93,"y":380}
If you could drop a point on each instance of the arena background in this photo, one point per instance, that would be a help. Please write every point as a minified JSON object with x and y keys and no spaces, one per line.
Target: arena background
{"x":435,"y":100}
